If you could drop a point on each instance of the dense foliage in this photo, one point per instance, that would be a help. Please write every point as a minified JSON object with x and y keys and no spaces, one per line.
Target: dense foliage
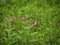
{"x":29,"y":22}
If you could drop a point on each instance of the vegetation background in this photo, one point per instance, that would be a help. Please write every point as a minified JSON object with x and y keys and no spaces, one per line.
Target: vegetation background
{"x":29,"y":22}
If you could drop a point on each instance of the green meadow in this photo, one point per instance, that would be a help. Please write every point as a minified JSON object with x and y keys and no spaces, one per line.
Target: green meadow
{"x":29,"y":22}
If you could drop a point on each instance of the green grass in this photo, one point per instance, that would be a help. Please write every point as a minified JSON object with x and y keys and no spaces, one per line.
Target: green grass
{"x":46,"y":13}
